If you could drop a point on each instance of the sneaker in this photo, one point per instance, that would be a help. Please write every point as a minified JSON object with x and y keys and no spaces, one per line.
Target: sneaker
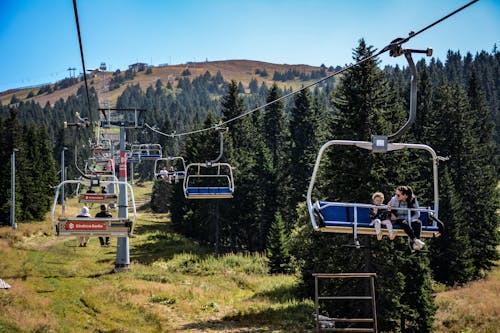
{"x":379,"y":236}
{"x":419,"y":242}
{"x":416,"y":247}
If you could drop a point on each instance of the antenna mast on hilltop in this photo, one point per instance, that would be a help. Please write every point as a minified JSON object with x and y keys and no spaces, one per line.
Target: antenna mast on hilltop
{"x":71,"y":71}
{"x":104,"y":90}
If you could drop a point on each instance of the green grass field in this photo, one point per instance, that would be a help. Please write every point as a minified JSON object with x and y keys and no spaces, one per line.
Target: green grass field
{"x":174,"y":285}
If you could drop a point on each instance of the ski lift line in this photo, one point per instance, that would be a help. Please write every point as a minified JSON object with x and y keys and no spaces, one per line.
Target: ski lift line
{"x":217,"y":126}
{"x":412,"y":34}
{"x":391,"y":46}
{"x":83,"y":63}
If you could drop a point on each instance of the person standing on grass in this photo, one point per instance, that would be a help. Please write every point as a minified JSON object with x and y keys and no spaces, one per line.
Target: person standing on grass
{"x":85,"y":212}
{"x":104,"y":213}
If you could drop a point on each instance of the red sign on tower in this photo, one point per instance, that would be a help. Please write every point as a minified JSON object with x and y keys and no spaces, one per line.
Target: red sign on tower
{"x":123,"y":165}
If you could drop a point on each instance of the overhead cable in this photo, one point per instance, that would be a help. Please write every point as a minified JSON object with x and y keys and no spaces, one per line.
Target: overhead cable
{"x":395,"y":44}
{"x":83,"y":63}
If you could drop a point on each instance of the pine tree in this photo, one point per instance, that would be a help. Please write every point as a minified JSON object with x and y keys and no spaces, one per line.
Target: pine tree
{"x":451,"y":254}
{"x":276,"y":139}
{"x":304,"y":144}
{"x":420,"y":130}
{"x":241,"y":89}
{"x":362,"y":102}
{"x":47,"y":177}
{"x":13,"y":140}
{"x":481,"y":176}
{"x":161,"y":197}
{"x":233,"y":106}
{"x":454,"y":119}
{"x":4,"y":175}
{"x":253,"y":86}
{"x":277,"y":248}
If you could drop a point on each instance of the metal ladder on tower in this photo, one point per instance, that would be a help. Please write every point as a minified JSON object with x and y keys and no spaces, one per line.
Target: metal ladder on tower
{"x":324,"y":323}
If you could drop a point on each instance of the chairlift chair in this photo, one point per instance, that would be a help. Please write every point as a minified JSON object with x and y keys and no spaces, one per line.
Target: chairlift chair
{"x":199,"y":183}
{"x":99,"y":197}
{"x":210,"y":180}
{"x":177,"y":162}
{"x":86,"y":227}
{"x":348,"y":217}
{"x":150,"y":151}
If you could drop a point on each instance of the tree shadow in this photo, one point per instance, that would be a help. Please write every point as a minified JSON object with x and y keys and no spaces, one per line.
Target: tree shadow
{"x":280,"y":294}
{"x":295,"y":318}
{"x":162,"y":243}
{"x":142,"y":229}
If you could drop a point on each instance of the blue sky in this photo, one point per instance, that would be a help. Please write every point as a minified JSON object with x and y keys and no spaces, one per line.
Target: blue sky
{"x":39,"y":39}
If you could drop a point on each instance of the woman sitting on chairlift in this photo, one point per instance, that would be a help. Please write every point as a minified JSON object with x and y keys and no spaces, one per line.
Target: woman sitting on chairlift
{"x":404,"y":199}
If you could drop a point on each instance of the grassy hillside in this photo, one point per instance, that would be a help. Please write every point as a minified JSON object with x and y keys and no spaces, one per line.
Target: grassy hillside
{"x":239,"y":70}
{"x":175,"y":285}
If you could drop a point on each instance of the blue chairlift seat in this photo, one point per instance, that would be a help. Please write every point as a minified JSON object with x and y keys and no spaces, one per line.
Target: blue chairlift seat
{"x":150,"y":157}
{"x":198,"y":184}
{"x":341,"y":219}
{"x":209,"y":193}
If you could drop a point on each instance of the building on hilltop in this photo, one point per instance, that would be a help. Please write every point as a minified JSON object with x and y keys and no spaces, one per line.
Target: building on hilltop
{"x":138,"y":66}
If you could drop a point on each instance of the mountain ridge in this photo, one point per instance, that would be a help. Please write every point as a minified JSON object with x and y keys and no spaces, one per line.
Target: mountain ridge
{"x":240,"y":70}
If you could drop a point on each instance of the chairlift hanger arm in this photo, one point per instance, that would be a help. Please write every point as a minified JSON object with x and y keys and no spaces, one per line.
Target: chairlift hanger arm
{"x":76,"y":164}
{"x":221,"y":146}
{"x":397,"y":51}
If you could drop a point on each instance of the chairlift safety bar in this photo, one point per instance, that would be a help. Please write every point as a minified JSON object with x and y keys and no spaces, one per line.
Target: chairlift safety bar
{"x":63,"y":218}
{"x":369,"y":146}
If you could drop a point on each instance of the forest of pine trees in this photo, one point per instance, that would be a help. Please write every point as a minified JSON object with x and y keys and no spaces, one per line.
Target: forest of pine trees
{"x":273,"y":151}
{"x":35,"y":169}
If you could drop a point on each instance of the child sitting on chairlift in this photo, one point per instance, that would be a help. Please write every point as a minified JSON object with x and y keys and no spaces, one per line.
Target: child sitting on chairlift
{"x":380,"y":216}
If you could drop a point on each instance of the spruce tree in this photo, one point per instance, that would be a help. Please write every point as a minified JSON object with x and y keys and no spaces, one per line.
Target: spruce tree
{"x":454,"y":119}
{"x":246,"y":153}
{"x":161,"y":196}
{"x":277,"y":247}
{"x":4,"y":175}
{"x":451,"y":254}
{"x":481,"y":176}
{"x":13,"y":140}
{"x":47,"y":177}
{"x":276,"y":139}
{"x":304,"y":143}
{"x":253,"y":86}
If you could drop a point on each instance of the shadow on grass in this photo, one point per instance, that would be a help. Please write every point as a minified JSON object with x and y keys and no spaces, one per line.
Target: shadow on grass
{"x":143,"y":229}
{"x":280,"y":294}
{"x":296,"y":318}
{"x":162,"y":243}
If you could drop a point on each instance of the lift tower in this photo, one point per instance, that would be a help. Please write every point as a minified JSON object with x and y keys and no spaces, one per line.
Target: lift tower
{"x":122,"y":118}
